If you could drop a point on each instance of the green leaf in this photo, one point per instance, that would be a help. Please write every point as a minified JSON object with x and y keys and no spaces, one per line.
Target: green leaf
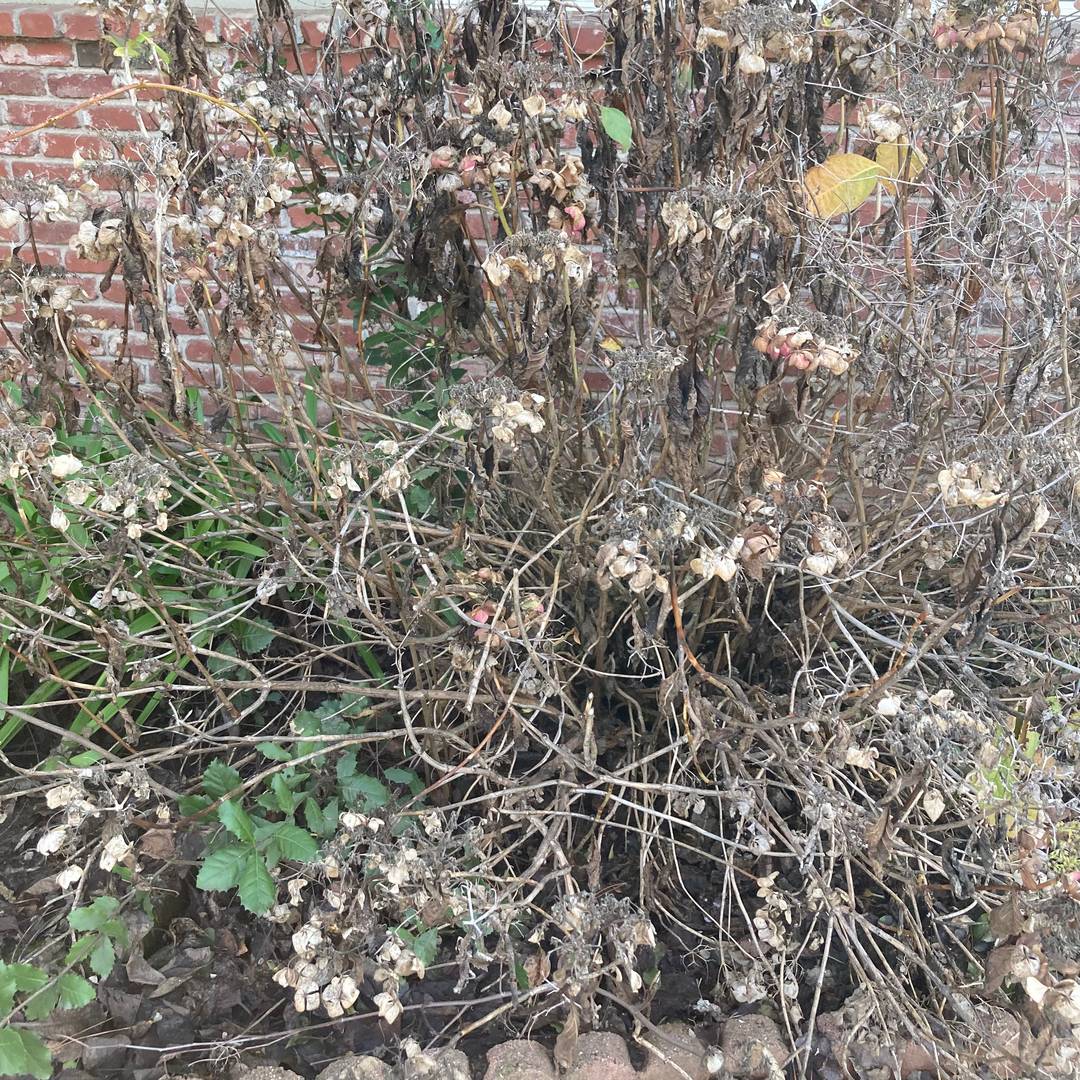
{"x":617,"y":125}
{"x":286,"y":801}
{"x":189,"y":805}
{"x":346,"y":765}
{"x":314,"y":817}
{"x":372,"y":791}
{"x":103,"y":957}
{"x":406,"y":777}
{"x":86,"y":759}
{"x":296,"y":843}
{"x":27,"y":977}
{"x":235,"y":819}
{"x":75,"y":991}
{"x":95,"y":916}
{"x":273,"y":751}
{"x":219,"y":779}
{"x":42,"y":1004}
{"x":81,"y":949}
{"x":257,"y":890}
{"x":256,"y":637}
{"x":221,"y":869}
{"x":116,"y":930}
{"x":23,"y":1052}
{"x":426,"y":947}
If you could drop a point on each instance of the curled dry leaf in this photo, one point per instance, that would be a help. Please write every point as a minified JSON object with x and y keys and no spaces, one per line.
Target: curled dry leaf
{"x":933,"y":803}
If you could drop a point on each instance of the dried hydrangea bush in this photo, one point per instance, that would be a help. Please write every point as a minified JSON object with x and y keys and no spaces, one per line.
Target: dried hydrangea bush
{"x":626,"y":533}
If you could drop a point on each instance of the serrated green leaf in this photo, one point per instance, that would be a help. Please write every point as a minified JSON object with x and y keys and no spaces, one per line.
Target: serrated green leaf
{"x":42,"y":1004}
{"x":256,"y":637}
{"x":94,"y":916}
{"x":257,"y":890}
{"x":221,"y":869}
{"x":13,"y":1057}
{"x":103,"y":958}
{"x":273,"y":751}
{"x":426,"y":947}
{"x":234,"y":817}
{"x":27,"y":977}
{"x":346,"y":765}
{"x":23,"y":1052}
{"x":313,"y":815}
{"x":406,"y":777}
{"x":219,"y":779}
{"x":39,"y":1060}
{"x":286,"y":801}
{"x":296,"y":843}
{"x":7,"y":991}
{"x":372,"y":791}
{"x":116,"y":930}
{"x":74,"y":991}
{"x":189,"y":805}
{"x":617,"y":124}
{"x":81,"y":949}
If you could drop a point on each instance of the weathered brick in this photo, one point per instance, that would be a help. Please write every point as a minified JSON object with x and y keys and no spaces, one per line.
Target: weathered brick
{"x":22,"y":84}
{"x":78,"y":85}
{"x":63,"y":144}
{"x":37,"y":24}
{"x":81,"y":27}
{"x":27,"y":113}
{"x":27,"y":53}
{"x":314,"y":31}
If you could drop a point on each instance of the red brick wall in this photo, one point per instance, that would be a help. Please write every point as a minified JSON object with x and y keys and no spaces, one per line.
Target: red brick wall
{"x":50,"y":63}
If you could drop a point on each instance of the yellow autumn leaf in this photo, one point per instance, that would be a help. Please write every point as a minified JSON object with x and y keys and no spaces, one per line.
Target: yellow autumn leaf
{"x":840,"y":184}
{"x":899,"y":161}
{"x":610,"y":344}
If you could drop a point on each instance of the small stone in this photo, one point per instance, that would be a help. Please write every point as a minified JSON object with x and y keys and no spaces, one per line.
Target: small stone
{"x":601,"y":1056}
{"x":517,"y":1059}
{"x":753,"y":1048}
{"x":355,"y":1067}
{"x":666,"y":1060}
{"x":265,"y":1072}
{"x":438,"y":1065}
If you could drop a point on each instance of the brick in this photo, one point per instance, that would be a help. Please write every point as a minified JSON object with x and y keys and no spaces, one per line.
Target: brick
{"x":27,"y":113}
{"x":22,"y":84}
{"x":314,"y":31}
{"x":21,"y":168}
{"x":36,"y":53}
{"x":80,"y":85}
{"x":80,"y":27}
{"x":57,"y":233}
{"x":7,"y":24}
{"x":62,"y":144}
{"x":37,"y":24}
{"x":77,"y":265}
{"x":117,"y":118}
{"x":236,"y":31}
{"x":47,"y":256}
{"x":198,"y":351}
